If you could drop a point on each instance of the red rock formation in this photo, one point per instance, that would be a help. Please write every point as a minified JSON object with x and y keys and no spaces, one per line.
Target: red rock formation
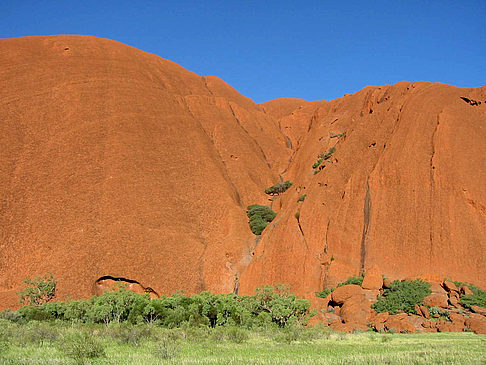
{"x":116,"y":162}
{"x":406,"y":176}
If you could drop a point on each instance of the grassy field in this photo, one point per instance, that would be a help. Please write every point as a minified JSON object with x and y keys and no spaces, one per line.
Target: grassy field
{"x":58,"y":343}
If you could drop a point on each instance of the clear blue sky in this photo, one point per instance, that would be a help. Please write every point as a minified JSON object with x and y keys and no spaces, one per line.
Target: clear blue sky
{"x":268,"y":49}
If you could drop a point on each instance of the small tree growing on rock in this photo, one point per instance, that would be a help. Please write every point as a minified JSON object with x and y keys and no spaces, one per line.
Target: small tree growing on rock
{"x":41,"y":290}
{"x":279,"y":188}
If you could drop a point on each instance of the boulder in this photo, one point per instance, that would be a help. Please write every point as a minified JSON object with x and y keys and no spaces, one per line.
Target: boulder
{"x":429,"y":329}
{"x":444,"y":326}
{"x":477,"y":324}
{"x":398,"y":323}
{"x":371,"y":295}
{"x":450,"y":286}
{"x":457,"y":318}
{"x":381,"y":317}
{"x":387,"y":283}
{"x":465,"y":290}
{"x":356,"y":309}
{"x":349,"y":327}
{"x":479,"y":310}
{"x":436,"y":288}
{"x":330,"y":317}
{"x":424,"y":311}
{"x":454,"y":302}
{"x":342,"y":293}
{"x":437,"y":300}
{"x":373,"y":280}
{"x":416,"y":321}
{"x":430,"y":324}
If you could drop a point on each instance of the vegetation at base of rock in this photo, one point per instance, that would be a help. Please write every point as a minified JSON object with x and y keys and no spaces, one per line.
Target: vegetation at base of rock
{"x":444,"y":313}
{"x":403,"y":295}
{"x":43,"y":343}
{"x":323,"y":157}
{"x":302,"y":198}
{"x":278,"y":188}
{"x":268,"y":305}
{"x":479,"y":300}
{"x":324,"y":293}
{"x":40,"y":290}
{"x":352,"y":280}
{"x":259,"y":216}
{"x":337,"y":135}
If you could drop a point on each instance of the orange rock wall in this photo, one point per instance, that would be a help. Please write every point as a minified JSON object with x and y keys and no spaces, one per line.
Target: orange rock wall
{"x":118,"y":163}
{"x":404,"y":190}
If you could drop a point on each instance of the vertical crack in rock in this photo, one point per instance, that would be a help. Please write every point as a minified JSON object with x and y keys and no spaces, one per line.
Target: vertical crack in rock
{"x":326,"y":244}
{"x":366,"y":225}
{"x":432,"y":188}
{"x":249,"y":135}
{"x":297,"y":216}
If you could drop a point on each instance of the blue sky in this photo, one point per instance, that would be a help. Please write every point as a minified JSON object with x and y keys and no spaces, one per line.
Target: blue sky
{"x":269,"y":49}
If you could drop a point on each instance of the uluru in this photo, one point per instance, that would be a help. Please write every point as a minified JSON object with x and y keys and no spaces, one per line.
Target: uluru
{"x":119,"y":165}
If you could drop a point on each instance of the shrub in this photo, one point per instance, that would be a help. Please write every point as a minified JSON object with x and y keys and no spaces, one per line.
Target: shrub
{"x":328,"y":154}
{"x":323,"y":157}
{"x":237,"y":335}
{"x":259,"y":217}
{"x":165,"y":349}
{"x":278,"y":188}
{"x":302,"y":198}
{"x":402,"y":295}
{"x":475,"y":299}
{"x":42,"y":290}
{"x":337,"y":135}
{"x":441,"y":312}
{"x":281,"y":305}
{"x":324,"y":293}
{"x":81,"y":346}
{"x":354,"y":280}
{"x":129,"y":334}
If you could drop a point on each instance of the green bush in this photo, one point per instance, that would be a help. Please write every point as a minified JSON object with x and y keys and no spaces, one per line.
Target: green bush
{"x":475,"y":299}
{"x":41,"y":290}
{"x":259,"y":217}
{"x":323,"y":157}
{"x":402,"y":296}
{"x":165,"y":348}
{"x":269,"y":305}
{"x":352,"y":280}
{"x":281,"y":305}
{"x":302,"y":198}
{"x":324,"y":293}
{"x":278,"y":188}
{"x":441,"y":312}
{"x":81,"y":346}
{"x":474,"y":288}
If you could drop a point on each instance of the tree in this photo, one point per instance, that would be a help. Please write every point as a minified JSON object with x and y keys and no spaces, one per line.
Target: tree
{"x":42,"y":290}
{"x":278,"y":188}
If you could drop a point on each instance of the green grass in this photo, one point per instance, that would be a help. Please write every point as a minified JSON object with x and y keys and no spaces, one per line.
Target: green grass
{"x":51,"y":343}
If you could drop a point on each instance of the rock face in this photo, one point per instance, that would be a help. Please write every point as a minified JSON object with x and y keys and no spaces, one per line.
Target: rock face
{"x":116,"y":163}
{"x":407,"y":172}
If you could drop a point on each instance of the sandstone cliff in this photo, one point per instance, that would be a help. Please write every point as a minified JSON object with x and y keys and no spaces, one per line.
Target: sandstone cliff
{"x":116,"y":163}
